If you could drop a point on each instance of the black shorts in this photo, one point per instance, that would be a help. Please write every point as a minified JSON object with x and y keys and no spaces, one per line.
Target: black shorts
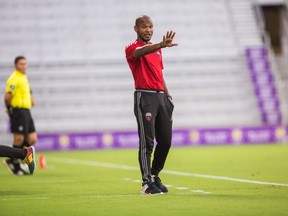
{"x":21,"y":121}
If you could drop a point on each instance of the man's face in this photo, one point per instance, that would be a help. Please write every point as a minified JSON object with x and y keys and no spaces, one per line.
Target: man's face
{"x":21,"y":65}
{"x":144,"y":30}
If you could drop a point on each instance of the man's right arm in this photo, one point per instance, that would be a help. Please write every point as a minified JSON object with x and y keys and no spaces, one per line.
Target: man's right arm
{"x":147,"y":49}
{"x":7,"y":99}
{"x":150,"y":48}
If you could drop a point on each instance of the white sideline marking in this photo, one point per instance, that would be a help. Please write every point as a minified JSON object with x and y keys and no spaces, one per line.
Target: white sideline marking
{"x":182,"y":188}
{"x":201,"y":191}
{"x":197,"y":191}
{"x":171,"y":172}
{"x":223,"y":178}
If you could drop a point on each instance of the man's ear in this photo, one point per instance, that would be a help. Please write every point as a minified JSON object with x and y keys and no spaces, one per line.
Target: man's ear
{"x":136,"y":29}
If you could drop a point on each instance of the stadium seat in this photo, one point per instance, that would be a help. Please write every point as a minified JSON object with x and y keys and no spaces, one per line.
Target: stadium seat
{"x":79,"y":75}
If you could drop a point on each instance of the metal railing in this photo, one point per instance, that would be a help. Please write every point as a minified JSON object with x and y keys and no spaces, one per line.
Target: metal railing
{"x":280,"y":81}
{"x":285,"y":41}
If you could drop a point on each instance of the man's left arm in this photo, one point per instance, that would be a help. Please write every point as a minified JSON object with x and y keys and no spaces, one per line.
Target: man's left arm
{"x":33,"y":100}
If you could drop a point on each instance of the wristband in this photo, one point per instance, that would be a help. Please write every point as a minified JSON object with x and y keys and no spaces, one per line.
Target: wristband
{"x":162,"y":45}
{"x":10,"y":110}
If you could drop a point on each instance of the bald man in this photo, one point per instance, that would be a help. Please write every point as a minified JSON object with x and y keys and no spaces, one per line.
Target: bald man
{"x":153,"y":106}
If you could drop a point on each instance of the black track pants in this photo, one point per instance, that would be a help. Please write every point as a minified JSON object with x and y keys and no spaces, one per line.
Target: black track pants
{"x":153,"y":112}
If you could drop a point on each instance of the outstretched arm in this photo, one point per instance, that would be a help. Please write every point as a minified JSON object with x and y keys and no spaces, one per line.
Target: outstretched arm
{"x":150,"y":48}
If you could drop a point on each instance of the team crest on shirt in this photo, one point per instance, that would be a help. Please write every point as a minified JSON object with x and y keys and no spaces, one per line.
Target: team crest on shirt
{"x":148,"y":116}
{"x":159,"y":54}
{"x":12,"y":87}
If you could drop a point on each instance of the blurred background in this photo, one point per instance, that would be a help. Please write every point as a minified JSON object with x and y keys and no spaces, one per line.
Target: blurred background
{"x":229,"y":71}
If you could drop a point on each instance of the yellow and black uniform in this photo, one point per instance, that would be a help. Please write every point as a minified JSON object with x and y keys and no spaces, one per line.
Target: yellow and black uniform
{"x":21,"y":120}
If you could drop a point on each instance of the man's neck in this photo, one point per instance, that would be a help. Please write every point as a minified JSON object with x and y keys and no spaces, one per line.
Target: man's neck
{"x":144,"y":42}
{"x":22,"y":72}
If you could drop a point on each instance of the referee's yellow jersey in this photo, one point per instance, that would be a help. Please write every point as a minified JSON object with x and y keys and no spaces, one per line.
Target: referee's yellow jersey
{"x":18,"y":86}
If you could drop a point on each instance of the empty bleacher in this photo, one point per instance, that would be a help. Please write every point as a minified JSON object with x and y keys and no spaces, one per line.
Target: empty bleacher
{"x":80,"y":78}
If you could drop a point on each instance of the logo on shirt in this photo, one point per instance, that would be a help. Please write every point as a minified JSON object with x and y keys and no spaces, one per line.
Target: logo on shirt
{"x":12,"y":87}
{"x":148,"y":116}
{"x":159,"y":54}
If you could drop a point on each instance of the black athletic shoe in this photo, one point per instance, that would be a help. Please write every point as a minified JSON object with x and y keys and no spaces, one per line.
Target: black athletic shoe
{"x":150,"y":188}
{"x":14,"y":167}
{"x":10,"y":165}
{"x":158,"y":184}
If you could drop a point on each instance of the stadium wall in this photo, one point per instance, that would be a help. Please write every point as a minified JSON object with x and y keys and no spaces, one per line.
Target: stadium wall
{"x":181,"y":137}
{"x":225,"y":91}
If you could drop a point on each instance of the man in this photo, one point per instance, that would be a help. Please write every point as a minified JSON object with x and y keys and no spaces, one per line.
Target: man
{"x":27,"y":155}
{"x":18,"y":100}
{"x":153,"y":105}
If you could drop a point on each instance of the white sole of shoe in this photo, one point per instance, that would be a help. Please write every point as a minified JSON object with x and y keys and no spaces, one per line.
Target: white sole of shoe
{"x":7,"y":166}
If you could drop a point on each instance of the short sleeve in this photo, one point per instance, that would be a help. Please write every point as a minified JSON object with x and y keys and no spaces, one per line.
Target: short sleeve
{"x":129,"y":50}
{"x":10,"y":85}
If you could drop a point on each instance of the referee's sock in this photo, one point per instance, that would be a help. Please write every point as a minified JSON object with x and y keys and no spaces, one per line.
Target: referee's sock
{"x":25,"y":144}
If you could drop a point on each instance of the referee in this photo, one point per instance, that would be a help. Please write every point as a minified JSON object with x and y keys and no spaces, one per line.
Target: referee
{"x":153,"y":105}
{"x":18,"y":100}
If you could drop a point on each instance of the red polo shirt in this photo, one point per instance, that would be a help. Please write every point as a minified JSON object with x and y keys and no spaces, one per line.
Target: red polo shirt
{"x":146,"y":70}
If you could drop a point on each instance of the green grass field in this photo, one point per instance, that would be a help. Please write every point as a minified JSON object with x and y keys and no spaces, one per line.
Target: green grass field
{"x":107,"y":182}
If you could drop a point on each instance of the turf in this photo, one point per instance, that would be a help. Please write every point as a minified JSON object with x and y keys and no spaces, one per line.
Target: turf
{"x":84,"y":186}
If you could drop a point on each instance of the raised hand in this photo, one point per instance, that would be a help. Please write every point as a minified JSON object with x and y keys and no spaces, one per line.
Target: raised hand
{"x":168,"y":40}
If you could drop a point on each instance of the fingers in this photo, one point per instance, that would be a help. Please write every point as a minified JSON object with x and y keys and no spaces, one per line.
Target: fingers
{"x":172,"y":37}
{"x":168,"y":38}
{"x":170,"y":34}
